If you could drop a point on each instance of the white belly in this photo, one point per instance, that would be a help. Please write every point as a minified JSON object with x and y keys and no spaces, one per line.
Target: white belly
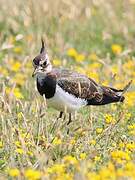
{"x":63,"y":101}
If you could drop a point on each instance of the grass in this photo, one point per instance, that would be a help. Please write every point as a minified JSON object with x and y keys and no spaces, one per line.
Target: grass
{"x":95,"y":38}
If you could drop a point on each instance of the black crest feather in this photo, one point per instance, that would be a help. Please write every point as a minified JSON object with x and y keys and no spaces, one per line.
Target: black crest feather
{"x":43,"y":46}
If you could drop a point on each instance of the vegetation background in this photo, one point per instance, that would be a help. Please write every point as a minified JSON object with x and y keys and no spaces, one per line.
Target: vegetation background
{"x":93,"y":37}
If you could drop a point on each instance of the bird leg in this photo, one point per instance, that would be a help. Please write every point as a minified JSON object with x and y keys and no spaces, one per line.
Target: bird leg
{"x":54,"y":125}
{"x":70,"y":119}
{"x":60,"y":115}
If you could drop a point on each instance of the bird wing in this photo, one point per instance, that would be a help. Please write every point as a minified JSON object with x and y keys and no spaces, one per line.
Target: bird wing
{"x":78,"y":85}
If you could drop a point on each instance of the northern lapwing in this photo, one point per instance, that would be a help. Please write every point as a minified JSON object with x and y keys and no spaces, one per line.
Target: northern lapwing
{"x":68,"y":91}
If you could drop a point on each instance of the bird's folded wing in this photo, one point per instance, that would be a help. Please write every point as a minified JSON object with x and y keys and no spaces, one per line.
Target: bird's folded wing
{"x":78,"y":85}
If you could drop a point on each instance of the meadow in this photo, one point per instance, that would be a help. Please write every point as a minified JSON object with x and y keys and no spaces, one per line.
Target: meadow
{"x":93,"y":37}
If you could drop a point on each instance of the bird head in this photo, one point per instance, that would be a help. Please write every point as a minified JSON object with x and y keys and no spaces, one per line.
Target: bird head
{"x":41,"y":62}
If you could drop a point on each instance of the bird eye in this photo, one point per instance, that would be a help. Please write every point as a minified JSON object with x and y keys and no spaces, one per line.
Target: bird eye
{"x":36,"y":62}
{"x":44,"y":63}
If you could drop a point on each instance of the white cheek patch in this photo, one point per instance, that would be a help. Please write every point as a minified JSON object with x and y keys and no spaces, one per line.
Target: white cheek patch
{"x":48,"y":68}
{"x":47,"y":57}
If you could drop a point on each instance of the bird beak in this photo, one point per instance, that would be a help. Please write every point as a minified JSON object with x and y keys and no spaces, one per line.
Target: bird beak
{"x":34,"y":72}
{"x":37,"y":70}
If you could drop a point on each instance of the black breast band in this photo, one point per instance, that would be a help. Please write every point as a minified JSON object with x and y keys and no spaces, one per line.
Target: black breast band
{"x":46,"y":85}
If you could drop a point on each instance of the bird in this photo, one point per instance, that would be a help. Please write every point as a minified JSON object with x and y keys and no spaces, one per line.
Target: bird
{"x":67,"y":91}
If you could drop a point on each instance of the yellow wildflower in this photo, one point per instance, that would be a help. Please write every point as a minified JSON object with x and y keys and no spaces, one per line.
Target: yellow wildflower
{"x":70,"y":160}
{"x":129,"y":65}
{"x":115,"y":69}
{"x":17,"y":93}
{"x":64,"y":176}
{"x":1,"y":144}
{"x":93,"y":176}
{"x":111,"y":166}
{"x":93,"y":75}
{"x":130,"y":146}
{"x":57,"y":62}
{"x":105,"y":83}
{"x":18,"y":144}
{"x":16,"y":66}
{"x":72,"y":141}
{"x":97,"y":158}
{"x":106,"y":173}
{"x":14,"y":172}
{"x":99,"y":130}
{"x":18,"y":50}
{"x":116,"y":155}
{"x":121,"y":145}
{"x":72,"y":52}
{"x":31,"y":174}
{"x":20,"y":115}
{"x":114,"y":107}
{"x":30,"y":153}
{"x":79,"y":57}
{"x":92,"y":142}
{"x":83,"y":156}
{"x":131,"y":127}
{"x":8,"y":90}
{"x":56,"y":168}
{"x":56,"y":141}
{"x":130,"y":166}
{"x":116,"y":48}
{"x":109,"y":118}
{"x":130,"y":99}
{"x":120,"y":173}
{"x":128,"y":115}
{"x":19,"y":151}
{"x":114,"y":144}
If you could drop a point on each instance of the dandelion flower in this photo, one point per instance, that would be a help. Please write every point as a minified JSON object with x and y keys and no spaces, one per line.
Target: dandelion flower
{"x":1,"y":144}
{"x":57,"y":62}
{"x":109,"y":119}
{"x":92,"y":142}
{"x":14,"y":172}
{"x":56,"y":141}
{"x":16,"y":66}
{"x":70,"y":160}
{"x":118,"y":154}
{"x":31,"y":174}
{"x":99,"y":130}
{"x":18,"y":50}
{"x":97,"y":158}
{"x":116,"y":49}
{"x":79,"y":58}
{"x":19,"y":151}
{"x":72,"y":52}
{"x":17,"y":93}
{"x":83,"y":156}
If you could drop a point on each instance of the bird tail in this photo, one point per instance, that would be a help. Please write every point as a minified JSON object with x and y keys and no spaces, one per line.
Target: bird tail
{"x":110,"y":95}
